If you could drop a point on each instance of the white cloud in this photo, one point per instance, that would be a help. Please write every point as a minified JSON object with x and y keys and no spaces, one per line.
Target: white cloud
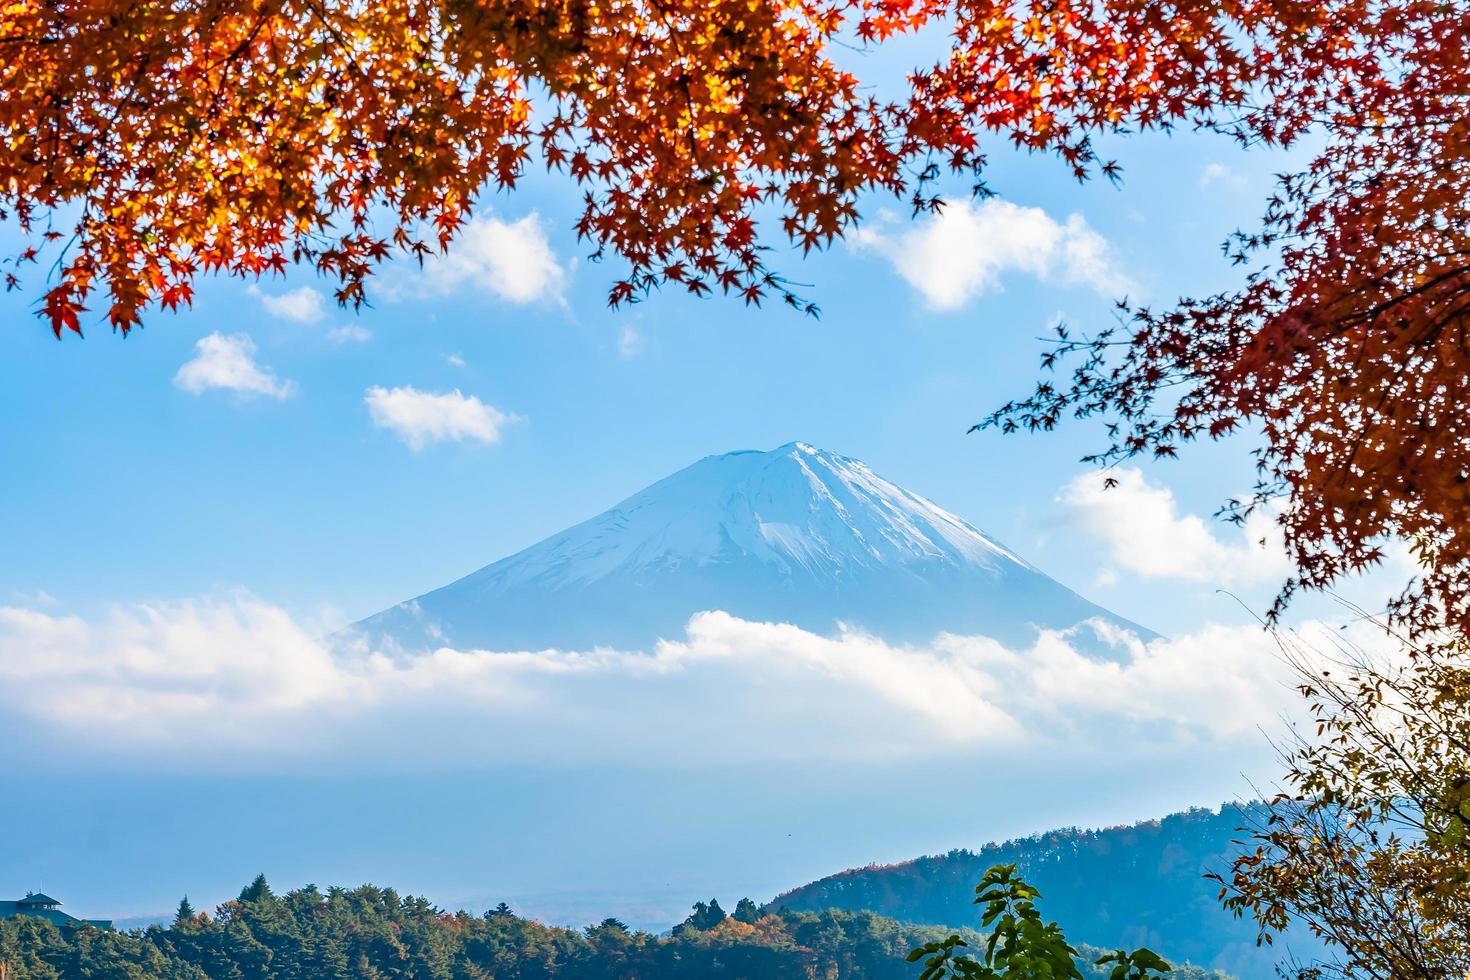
{"x":965,"y":250}
{"x":455,"y":360}
{"x":303,"y":305}
{"x":166,"y":662}
{"x":349,"y":333}
{"x":512,"y":260}
{"x":422,"y":418}
{"x":235,"y":671}
{"x":1140,"y":525}
{"x":630,"y":342}
{"x":309,"y":306}
{"x":1218,"y":173}
{"x":228,"y":362}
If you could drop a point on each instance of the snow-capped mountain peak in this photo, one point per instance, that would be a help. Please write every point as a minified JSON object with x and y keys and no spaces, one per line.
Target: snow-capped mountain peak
{"x":796,"y":509}
{"x":795,"y":534}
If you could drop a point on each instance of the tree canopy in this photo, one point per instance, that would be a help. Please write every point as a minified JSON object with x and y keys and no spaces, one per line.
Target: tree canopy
{"x":145,"y":143}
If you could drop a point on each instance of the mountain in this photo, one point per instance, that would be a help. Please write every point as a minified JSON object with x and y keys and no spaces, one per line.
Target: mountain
{"x":794,"y":535}
{"x":1123,"y":886}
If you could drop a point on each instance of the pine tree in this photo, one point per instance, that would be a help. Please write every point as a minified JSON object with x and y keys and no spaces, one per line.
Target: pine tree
{"x":746,"y":911}
{"x":185,"y":913}
{"x":705,"y":916}
{"x":257,"y":891}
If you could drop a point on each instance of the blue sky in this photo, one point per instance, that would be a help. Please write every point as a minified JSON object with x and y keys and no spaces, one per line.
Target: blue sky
{"x":216,"y":490}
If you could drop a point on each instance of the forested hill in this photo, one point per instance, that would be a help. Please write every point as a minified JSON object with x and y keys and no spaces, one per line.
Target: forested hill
{"x":371,"y":933}
{"x":1123,"y":886}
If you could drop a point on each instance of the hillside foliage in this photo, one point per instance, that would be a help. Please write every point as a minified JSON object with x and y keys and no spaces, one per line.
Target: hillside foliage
{"x":1137,"y":885}
{"x":371,"y":933}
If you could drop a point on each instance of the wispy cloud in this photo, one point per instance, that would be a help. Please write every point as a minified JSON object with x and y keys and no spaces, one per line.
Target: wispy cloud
{"x":1217,"y":174}
{"x":967,"y":250}
{"x":227,"y":361}
{"x":349,"y":333}
{"x":422,"y":418}
{"x":630,"y":342}
{"x":309,"y":306}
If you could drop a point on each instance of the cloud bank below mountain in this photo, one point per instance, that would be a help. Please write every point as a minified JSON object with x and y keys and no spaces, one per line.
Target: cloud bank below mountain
{"x":232,"y":678}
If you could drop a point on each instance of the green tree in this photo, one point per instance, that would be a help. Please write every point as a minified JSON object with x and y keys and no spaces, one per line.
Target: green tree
{"x":746,"y":911}
{"x":706,"y":916}
{"x":257,"y":891}
{"x":185,"y":911}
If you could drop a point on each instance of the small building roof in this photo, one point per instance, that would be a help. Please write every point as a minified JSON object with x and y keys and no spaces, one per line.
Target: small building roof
{"x":38,"y":898}
{"x":44,"y":907}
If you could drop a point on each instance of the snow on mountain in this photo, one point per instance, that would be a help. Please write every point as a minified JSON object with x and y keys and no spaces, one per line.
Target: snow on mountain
{"x":793,"y":535}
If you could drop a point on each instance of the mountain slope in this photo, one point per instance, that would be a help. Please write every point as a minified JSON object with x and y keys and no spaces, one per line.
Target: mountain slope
{"x":1123,"y":886}
{"x":794,"y":535}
